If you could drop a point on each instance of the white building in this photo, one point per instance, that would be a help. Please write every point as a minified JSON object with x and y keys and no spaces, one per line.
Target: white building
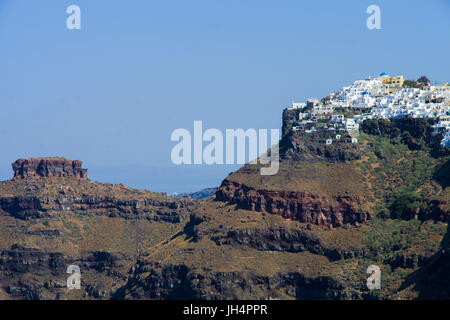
{"x":298,"y":105}
{"x":351,"y":125}
{"x":382,"y":101}
{"x":337,"y":118}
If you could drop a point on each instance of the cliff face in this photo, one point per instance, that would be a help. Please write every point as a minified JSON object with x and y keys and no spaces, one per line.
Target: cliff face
{"x":290,"y":116}
{"x":58,"y":187}
{"x":182,"y":282}
{"x":229,"y":253}
{"x":52,"y":216}
{"x":49,"y":272}
{"x":48,"y":167}
{"x":142,"y":208}
{"x":269,"y":237}
{"x":298,"y":146}
{"x":297,"y":206}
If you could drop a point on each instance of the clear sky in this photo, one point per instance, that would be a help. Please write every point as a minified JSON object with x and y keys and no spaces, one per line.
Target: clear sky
{"x":111,"y":93}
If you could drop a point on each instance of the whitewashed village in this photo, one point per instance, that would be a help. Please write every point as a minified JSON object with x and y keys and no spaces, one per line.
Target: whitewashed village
{"x":382,"y":97}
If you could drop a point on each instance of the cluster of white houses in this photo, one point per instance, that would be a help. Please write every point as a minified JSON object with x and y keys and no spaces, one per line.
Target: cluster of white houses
{"x":382,"y":97}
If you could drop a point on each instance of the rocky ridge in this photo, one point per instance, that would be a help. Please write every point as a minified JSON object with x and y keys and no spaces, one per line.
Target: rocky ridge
{"x":48,"y":167}
{"x":53,"y":216}
{"x":299,"y":206}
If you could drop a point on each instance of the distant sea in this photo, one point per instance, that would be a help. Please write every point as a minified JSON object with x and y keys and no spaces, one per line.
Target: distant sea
{"x":174,"y":179}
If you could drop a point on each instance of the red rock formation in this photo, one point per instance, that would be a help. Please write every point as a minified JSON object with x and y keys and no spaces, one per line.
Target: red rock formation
{"x":299,"y":206}
{"x":48,"y":167}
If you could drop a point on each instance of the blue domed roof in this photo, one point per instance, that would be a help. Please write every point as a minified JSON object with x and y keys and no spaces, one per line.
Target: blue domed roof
{"x":383,"y":74}
{"x":365,"y":92}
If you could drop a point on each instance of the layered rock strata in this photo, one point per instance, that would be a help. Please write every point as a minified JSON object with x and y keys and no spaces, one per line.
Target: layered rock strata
{"x":48,"y":167}
{"x":299,"y":206}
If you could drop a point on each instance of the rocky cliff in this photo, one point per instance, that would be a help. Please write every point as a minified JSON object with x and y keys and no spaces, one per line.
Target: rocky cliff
{"x":58,"y":187}
{"x":270,"y":236}
{"x":299,"y":206}
{"x":48,"y":167}
{"x":33,"y":207}
{"x":298,"y":146}
{"x":229,"y":253}
{"x":182,"y":282}
{"x":52,"y":216}
{"x":49,"y":277}
{"x":289,"y":117}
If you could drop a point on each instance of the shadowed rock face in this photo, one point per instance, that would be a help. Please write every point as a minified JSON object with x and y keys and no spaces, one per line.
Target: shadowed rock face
{"x":48,"y":167}
{"x":178,"y":282}
{"x":298,"y":206}
{"x":27,"y":208}
{"x":49,"y":279}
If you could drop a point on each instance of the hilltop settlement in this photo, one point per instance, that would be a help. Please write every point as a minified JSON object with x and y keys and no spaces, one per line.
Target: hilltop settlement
{"x":384,"y":97}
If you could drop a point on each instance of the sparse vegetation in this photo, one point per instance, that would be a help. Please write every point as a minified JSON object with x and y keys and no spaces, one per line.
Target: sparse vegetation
{"x":412,"y":84}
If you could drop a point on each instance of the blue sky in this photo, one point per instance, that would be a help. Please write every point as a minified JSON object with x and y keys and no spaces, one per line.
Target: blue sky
{"x":111,"y":93}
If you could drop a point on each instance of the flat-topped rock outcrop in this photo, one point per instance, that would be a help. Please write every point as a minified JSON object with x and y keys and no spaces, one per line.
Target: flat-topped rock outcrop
{"x":48,"y":167}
